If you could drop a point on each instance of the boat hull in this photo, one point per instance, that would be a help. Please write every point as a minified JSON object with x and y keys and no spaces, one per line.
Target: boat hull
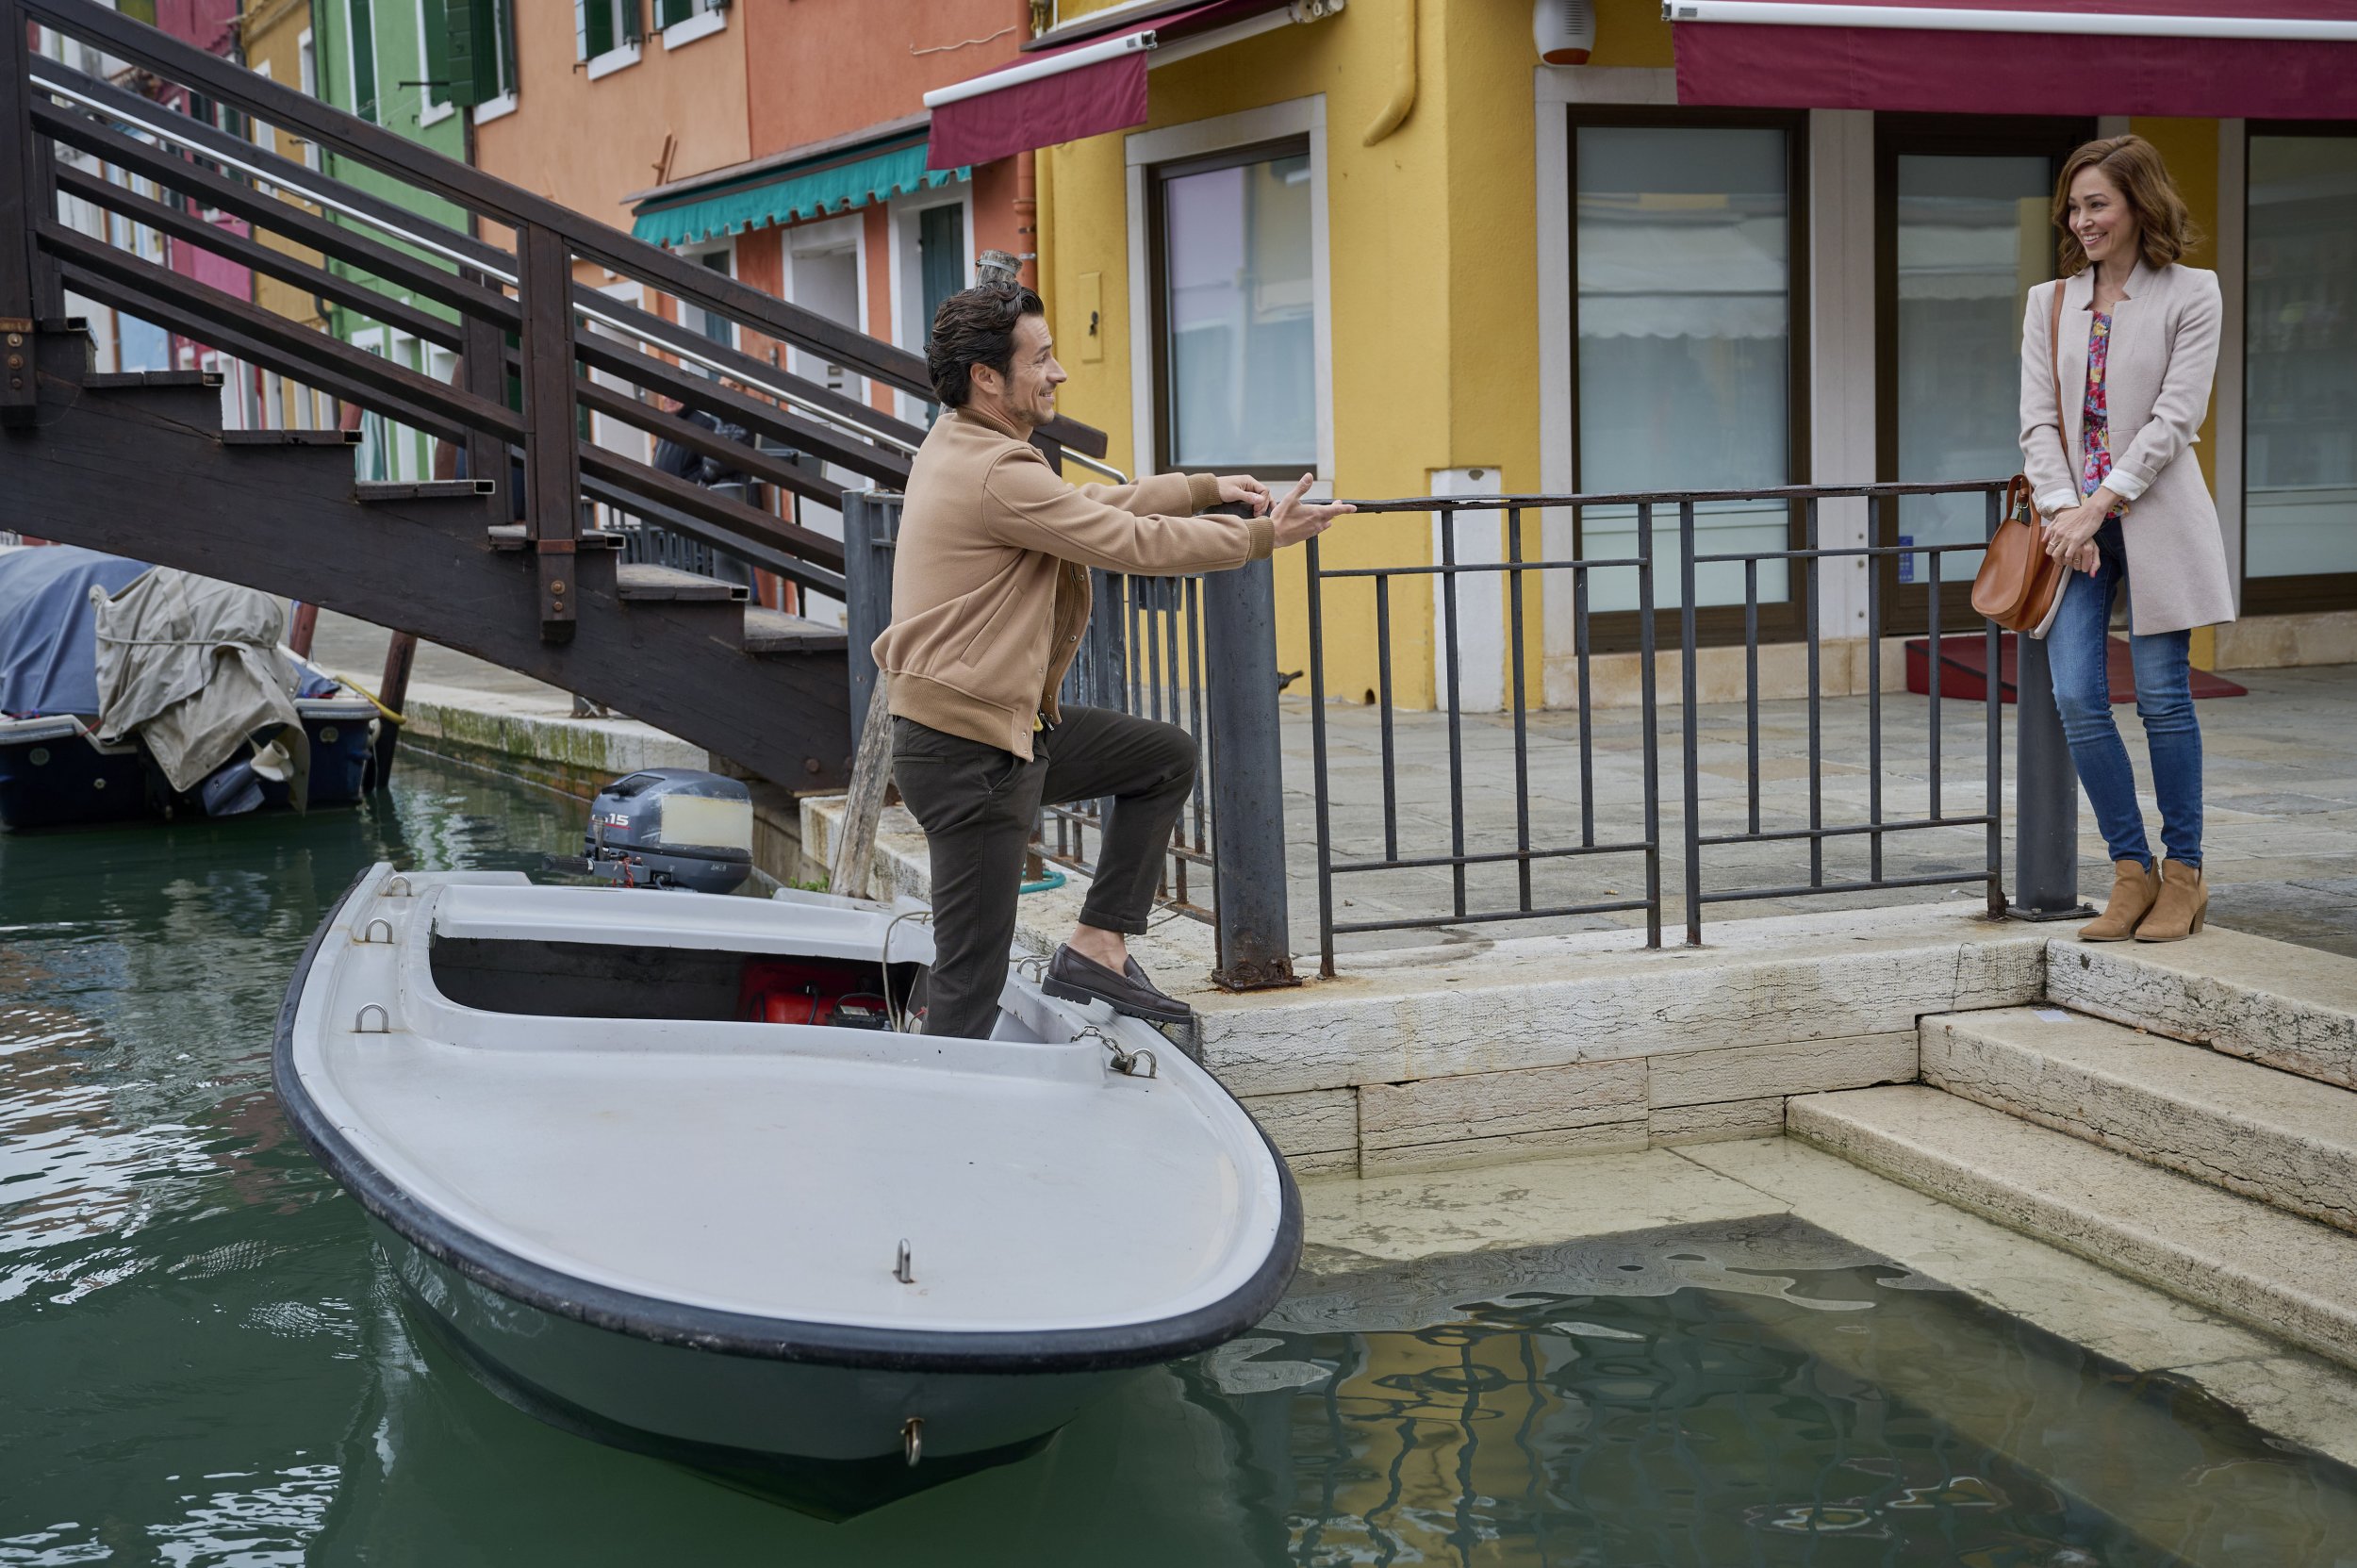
{"x":50,"y":777}
{"x":826,"y":1440}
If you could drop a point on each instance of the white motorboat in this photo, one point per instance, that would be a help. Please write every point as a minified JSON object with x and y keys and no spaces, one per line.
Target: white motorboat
{"x":821,"y":1257}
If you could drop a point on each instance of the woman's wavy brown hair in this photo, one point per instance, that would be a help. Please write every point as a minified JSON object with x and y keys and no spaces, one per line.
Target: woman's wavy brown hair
{"x":2163,"y":227}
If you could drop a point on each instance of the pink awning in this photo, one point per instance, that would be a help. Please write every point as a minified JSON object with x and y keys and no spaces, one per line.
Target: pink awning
{"x":1065,"y":91}
{"x":2263,"y":60}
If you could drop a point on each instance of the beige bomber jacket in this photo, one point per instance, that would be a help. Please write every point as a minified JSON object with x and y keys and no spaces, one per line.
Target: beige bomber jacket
{"x":990,"y":582}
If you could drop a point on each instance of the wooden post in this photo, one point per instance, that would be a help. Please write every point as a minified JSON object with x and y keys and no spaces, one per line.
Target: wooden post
{"x":21,"y":261}
{"x":483,"y":370}
{"x":552,"y":444}
{"x":871,"y":772}
{"x":307,"y":620}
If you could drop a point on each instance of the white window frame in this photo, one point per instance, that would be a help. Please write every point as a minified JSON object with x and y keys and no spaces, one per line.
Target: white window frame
{"x":606,"y":431}
{"x":711,"y":16}
{"x":829,"y":237}
{"x":307,"y":68}
{"x":698,"y":254}
{"x":904,"y":271}
{"x":428,"y":112}
{"x":1142,"y":151}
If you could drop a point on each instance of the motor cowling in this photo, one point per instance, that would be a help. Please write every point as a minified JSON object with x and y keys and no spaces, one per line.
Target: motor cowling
{"x":671,"y":827}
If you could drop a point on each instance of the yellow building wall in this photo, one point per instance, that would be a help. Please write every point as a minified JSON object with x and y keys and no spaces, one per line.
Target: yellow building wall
{"x":2191,"y":149}
{"x":272,"y":33}
{"x":1432,"y":297}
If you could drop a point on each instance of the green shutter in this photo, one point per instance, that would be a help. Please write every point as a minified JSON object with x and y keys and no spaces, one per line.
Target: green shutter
{"x":459,"y":58}
{"x":670,"y":13}
{"x":363,"y":61}
{"x":597,"y":27}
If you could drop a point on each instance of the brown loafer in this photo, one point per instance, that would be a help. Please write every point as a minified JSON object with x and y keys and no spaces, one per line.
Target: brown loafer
{"x":1075,"y":978}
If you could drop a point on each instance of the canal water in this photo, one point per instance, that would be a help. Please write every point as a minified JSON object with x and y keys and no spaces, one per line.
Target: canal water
{"x":203,"y":1361}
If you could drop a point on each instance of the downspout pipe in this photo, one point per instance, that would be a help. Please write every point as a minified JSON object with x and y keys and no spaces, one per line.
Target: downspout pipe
{"x":1403,"y":99}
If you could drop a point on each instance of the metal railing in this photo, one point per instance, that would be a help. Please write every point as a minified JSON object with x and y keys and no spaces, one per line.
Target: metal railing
{"x":1541,"y":830}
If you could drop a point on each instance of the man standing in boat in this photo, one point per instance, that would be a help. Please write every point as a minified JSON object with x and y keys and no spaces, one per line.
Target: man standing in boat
{"x":990,"y":594}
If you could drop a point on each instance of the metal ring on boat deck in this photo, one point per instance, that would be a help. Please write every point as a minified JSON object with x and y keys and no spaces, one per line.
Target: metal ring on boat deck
{"x":390,"y":883}
{"x":368,"y":933}
{"x":1124,"y":1062}
{"x":384,"y":1019}
{"x":912,"y":1439}
{"x":903,"y":1264}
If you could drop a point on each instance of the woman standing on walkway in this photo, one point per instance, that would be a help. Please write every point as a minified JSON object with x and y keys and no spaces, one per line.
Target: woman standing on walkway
{"x":2113,"y":384}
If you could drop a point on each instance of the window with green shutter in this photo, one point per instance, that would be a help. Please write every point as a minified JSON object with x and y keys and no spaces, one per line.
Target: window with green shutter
{"x":361,"y":30}
{"x":465,"y":50}
{"x":602,"y":26}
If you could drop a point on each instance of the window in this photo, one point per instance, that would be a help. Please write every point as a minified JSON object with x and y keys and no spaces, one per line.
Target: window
{"x":307,"y":57}
{"x":468,"y":53}
{"x":1235,"y":303}
{"x":683,"y":22}
{"x":1962,"y":234}
{"x":361,"y":37}
{"x":606,"y":33}
{"x":930,"y":261}
{"x":2300,"y":408}
{"x":1683,"y":239}
{"x":711,"y":323}
{"x":434,"y":47}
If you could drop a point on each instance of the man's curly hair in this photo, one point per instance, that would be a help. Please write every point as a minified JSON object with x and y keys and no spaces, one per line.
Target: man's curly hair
{"x":976,"y":327}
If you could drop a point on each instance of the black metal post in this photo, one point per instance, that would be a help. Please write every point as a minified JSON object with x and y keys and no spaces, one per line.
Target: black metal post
{"x":20,"y":262}
{"x":2045,"y":795}
{"x":1255,"y":951}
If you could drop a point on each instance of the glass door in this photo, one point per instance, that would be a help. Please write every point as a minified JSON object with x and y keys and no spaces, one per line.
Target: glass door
{"x":1963,"y":235}
{"x":2300,"y":408}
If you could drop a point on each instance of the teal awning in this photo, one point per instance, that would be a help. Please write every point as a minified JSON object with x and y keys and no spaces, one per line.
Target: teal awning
{"x":751,"y":202}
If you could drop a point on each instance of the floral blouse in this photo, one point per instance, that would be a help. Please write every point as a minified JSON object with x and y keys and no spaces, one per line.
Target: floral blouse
{"x":2095,"y":427}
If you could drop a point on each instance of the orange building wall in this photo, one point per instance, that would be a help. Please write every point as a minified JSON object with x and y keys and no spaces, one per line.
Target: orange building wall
{"x":588,"y":144}
{"x":882,"y":57}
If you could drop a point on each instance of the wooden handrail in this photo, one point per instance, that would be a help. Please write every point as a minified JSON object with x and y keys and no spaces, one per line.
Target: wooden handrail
{"x":508,"y":205}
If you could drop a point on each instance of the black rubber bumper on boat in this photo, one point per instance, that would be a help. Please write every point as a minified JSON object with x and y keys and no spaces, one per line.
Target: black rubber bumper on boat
{"x":766,"y":1338}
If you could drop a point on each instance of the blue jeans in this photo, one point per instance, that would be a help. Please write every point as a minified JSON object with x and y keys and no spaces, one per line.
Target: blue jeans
{"x":2075,"y":651}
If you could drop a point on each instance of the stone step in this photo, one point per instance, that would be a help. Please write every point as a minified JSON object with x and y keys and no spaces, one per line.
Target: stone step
{"x":2290,"y":1277}
{"x":2284,"y":1140}
{"x":2291,"y":1007}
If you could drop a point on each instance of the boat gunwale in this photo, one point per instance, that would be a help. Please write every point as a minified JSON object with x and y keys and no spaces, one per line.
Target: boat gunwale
{"x":854,"y":1346}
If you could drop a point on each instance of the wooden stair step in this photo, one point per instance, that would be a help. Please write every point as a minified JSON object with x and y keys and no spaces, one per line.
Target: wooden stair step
{"x":111,"y":381}
{"x":640,"y":580}
{"x":425,"y":490}
{"x":772,"y":632}
{"x":290,"y":437}
{"x":511,"y":536}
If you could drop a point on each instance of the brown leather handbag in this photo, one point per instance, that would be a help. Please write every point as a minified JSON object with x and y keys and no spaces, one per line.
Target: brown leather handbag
{"x":2019,"y":585}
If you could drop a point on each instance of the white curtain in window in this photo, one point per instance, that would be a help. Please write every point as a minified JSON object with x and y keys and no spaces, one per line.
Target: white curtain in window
{"x":1240,"y":301}
{"x":1684,"y":313}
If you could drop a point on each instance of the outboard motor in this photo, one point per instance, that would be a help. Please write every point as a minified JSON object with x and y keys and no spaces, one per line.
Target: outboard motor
{"x":671,"y":827}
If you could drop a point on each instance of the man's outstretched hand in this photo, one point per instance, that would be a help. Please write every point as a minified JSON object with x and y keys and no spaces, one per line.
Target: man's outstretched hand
{"x":1244,"y":487}
{"x":1297,"y":519}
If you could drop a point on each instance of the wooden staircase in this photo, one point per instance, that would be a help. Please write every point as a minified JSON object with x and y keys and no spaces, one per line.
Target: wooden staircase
{"x":140,"y":465}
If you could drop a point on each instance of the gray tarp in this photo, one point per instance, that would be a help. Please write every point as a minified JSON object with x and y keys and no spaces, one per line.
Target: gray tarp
{"x":192,"y":667}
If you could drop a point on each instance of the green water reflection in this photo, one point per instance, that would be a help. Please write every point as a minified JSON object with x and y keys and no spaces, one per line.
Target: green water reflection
{"x":203,"y":1361}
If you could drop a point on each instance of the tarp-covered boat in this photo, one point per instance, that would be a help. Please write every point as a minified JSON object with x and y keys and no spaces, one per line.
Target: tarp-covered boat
{"x":127,"y":690}
{"x":820,"y":1256}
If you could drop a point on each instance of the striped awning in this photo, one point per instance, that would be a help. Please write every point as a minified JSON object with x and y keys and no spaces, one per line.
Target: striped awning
{"x":736,"y":203}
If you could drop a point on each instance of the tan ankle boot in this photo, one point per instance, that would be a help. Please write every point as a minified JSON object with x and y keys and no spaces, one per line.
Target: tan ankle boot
{"x":2177,"y":913}
{"x":2134,"y":888}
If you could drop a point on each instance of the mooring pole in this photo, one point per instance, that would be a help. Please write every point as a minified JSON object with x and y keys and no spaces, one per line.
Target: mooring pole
{"x":2046,"y":797}
{"x":1255,"y":950}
